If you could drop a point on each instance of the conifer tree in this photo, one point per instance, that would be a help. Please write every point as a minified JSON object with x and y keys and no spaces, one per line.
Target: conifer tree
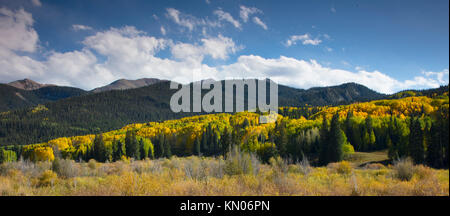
{"x":132,"y":145}
{"x":416,"y":144}
{"x":336,"y":140}
{"x":324,"y":138}
{"x":197,"y":146}
{"x":99,"y":148}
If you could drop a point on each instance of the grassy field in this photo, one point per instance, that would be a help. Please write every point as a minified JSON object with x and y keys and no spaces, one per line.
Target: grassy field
{"x":238,"y":175}
{"x":363,"y":158}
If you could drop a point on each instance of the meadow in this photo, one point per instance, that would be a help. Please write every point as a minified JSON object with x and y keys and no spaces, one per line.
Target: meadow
{"x":240,"y":174}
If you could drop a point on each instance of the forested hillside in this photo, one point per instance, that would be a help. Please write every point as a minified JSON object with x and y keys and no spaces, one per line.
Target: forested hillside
{"x":13,"y":98}
{"x":416,"y":127}
{"x":104,"y":111}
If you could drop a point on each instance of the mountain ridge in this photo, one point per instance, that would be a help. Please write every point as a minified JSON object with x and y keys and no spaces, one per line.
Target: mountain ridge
{"x":123,"y":84}
{"x":27,"y":84}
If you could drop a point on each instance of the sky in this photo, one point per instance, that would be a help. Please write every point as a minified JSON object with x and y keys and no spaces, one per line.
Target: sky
{"x":387,"y":46}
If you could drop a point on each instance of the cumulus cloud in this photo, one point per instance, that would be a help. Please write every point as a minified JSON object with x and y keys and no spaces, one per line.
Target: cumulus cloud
{"x":78,"y":27}
{"x":440,"y":77}
{"x":222,"y":15}
{"x":216,"y":47}
{"x":130,"y":53}
{"x":17,"y":31}
{"x":305,"y":39}
{"x":36,"y":3}
{"x":258,"y":21}
{"x":163,"y":30}
{"x":188,"y":21}
{"x":245,"y":12}
{"x":306,"y":74}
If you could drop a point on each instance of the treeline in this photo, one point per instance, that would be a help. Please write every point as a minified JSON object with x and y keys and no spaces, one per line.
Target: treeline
{"x":105,"y":111}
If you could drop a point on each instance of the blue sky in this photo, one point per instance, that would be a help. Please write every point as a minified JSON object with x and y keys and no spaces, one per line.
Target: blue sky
{"x":385,"y":45}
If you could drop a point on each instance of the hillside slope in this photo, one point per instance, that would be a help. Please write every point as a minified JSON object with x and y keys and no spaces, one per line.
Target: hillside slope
{"x":123,"y":84}
{"x":13,"y":98}
{"x":92,"y":113}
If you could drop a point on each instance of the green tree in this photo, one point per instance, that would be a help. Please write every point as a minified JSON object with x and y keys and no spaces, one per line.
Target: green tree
{"x":132,"y":145}
{"x":99,"y":148}
{"x":416,"y":141}
{"x":324,"y":139}
{"x":435,"y":150}
{"x":336,"y":139}
{"x":118,"y":150}
{"x":197,"y":146}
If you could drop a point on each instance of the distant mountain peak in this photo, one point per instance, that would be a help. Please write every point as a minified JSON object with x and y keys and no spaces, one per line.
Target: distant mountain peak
{"x":123,"y":84}
{"x":27,"y":84}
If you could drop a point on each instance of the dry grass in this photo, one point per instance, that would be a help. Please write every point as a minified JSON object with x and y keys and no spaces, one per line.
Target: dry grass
{"x":208,"y":176}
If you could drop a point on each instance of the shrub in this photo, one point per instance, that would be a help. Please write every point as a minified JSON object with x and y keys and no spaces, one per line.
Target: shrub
{"x":304,"y":166}
{"x":48,"y":178}
{"x":423,"y":172}
{"x":343,"y":167}
{"x":65,"y":168}
{"x":92,"y":164}
{"x":238,"y":162}
{"x":404,"y":169}
{"x":279,"y":165}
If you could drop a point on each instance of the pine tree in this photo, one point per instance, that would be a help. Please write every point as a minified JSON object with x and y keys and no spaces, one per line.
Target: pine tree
{"x":282,"y":139}
{"x":99,"y":148}
{"x":168,"y":148}
{"x":204,"y":143}
{"x":161,"y":149}
{"x":132,"y":145}
{"x":197,"y":146}
{"x":348,"y":128}
{"x":416,"y":144}
{"x":118,"y":151}
{"x":225,"y":140}
{"x":336,"y":140}
{"x":435,"y":151}
{"x":324,"y":139}
{"x":143,"y":149}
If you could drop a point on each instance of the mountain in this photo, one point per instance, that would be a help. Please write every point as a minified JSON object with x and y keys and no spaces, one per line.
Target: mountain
{"x":109,"y":110}
{"x":15,"y":98}
{"x":123,"y":84}
{"x":426,"y":92}
{"x":322,"y":96}
{"x":27,"y":84}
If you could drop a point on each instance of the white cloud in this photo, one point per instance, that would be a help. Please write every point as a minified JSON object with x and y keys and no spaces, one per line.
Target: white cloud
{"x":188,"y":21}
{"x":78,"y":27}
{"x":305,"y":39}
{"x":306,"y":74}
{"x":163,"y":30}
{"x":36,"y":3}
{"x":441,"y":77}
{"x":222,"y":15}
{"x":16,"y":31}
{"x":258,"y":21}
{"x":329,"y":49}
{"x":218,"y":48}
{"x":245,"y":12}
{"x":208,"y":1}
